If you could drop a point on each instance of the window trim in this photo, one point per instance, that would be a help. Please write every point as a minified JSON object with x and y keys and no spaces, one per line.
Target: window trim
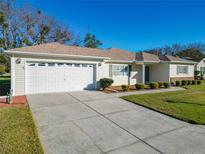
{"x":202,"y":70}
{"x":120,"y":70}
{"x":181,"y":71}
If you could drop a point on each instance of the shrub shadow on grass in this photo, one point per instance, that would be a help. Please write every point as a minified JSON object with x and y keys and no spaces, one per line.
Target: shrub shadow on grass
{"x":176,"y":102}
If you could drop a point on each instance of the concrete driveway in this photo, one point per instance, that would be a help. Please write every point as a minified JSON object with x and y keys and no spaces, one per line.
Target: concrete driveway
{"x":91,"y":122}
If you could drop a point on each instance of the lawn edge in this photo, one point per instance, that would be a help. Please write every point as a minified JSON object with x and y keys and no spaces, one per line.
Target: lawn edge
{"x":35,"y":129}
{"x":172,"y":116}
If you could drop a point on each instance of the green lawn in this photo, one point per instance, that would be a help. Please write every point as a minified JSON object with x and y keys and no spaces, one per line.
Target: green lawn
{"x":187,"y":105}
{"x":17,"y":131}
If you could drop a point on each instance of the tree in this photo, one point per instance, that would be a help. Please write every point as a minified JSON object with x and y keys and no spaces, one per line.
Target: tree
{"x":191,"y":53}
{"x":194,"y":51}
{"x":26,"y":26}
{"x":90,"y":41}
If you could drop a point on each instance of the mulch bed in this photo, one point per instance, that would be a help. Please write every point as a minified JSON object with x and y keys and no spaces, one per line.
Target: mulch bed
{"x":116,"y":89}
{"x":18,"y":101}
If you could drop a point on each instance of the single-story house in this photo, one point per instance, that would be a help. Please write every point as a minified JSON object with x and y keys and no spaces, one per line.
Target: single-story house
{"x":55,"y":67}
{"x":200,"y":66}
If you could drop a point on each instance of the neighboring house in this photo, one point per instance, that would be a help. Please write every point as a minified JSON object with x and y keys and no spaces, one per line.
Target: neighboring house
{"x":54,"y":67}
{"x":201,"y":67}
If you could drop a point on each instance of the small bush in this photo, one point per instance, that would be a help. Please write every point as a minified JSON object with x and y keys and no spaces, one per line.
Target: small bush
{"x":184,"y":82}
{"x":199,"y":82}
{"x":105,"y":82}
{"x":194,"y":82}
{"x":125,"y":87}
{"x":166,"y":84}
{"x":189,"y":82}
{"x":154,"y":85}
{"x":178,"y":83}
{"x":139,"y":86}
{"x":160,"y":84}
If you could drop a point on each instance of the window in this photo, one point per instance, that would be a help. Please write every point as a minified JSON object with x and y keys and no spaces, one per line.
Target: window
{"x":202,"y":69}
{"x":77,"y":65}
{"x":51,"y":64}
{"x":182,"y":69}
{"x":41,"y":64}
{"x":120,"y":70}
{"x":60,"y":64}
{"x":31,"y":64}
{"x":84,"y":65}
{"x":68,"y":64}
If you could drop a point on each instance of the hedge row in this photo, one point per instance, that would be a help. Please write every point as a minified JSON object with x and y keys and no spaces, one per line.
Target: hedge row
{"x":188,"y":82}
{"x":153,"y":85}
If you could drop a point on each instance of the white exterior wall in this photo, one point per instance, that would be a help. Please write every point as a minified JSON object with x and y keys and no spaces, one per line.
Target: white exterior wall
{"x":200,"y":64}
{"x":119,"y":80}
{"x":173,"y":70}
{"x":18,"y":77}
{"x":159,"y":72}
{"x":136,"y":74}
{"x":18,"y":71}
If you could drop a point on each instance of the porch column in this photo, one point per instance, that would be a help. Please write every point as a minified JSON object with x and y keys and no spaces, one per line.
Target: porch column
{"x":143,"y":73}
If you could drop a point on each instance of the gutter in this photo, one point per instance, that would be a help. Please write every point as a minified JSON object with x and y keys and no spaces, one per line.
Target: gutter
{"x":181,"y":62}
{"x":121,"y":61}
{"x":12,"y":53}
{"x":147,"y":61}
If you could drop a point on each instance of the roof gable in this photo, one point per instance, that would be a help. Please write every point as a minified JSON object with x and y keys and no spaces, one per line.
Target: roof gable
{"x":144,"y":56}
{"x":118,"y":54}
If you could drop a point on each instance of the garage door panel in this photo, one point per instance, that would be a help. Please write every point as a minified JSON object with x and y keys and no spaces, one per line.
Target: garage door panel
{"x":58,"y":77}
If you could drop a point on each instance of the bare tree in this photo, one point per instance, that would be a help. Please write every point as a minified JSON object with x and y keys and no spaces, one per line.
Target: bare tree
{"x":28,"y":26}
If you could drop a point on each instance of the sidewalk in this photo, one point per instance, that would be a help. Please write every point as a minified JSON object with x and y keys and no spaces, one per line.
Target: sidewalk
{"x":146,"y":91}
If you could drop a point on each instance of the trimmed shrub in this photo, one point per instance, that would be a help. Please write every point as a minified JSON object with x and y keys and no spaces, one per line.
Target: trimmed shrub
{"x":199,"y":82}
{"x":194,"y":82}
{"x":105,"y":82}
{"x":125,"y":87}
{"x":184,"y":82}
{"x":178,"y":83}
{"x":154,"y":85}
{"x":189,"y":82}
{"x":139,"y":86}
{"x":160,"y":84}
{"x":166,"y":84}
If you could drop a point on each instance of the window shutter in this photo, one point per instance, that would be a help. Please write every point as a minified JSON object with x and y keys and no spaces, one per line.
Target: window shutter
{"x":110,"y":70}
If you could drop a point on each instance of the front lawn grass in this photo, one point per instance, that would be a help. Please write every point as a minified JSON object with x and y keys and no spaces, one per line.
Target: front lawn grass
{"x":187,"y":105}
{"x":17,"y":131}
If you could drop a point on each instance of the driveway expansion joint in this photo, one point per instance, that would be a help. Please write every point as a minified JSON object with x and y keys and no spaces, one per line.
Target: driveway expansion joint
{"x":120,"y":126}
{"x":57,"y":123}
{"x":166,"y":132}
{"x":88,"y":136}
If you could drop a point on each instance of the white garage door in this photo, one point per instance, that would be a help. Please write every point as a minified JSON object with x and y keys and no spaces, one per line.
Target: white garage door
{"x":58,"y":77}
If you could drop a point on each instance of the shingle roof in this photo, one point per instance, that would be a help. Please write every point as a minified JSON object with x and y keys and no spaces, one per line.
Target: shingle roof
{"x":118,"y":54}
{"x":144,"y":56}
{"x":57,"y":48}
{"x":170,"y":58}
{"x":112,"y":53}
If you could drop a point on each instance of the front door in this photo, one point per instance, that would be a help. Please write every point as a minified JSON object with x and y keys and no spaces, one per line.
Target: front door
{"x":146,"y":74}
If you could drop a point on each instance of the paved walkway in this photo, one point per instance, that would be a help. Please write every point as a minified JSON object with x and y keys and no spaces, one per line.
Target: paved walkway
{"x":147,"y":91}
{"x":92,"y":122}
